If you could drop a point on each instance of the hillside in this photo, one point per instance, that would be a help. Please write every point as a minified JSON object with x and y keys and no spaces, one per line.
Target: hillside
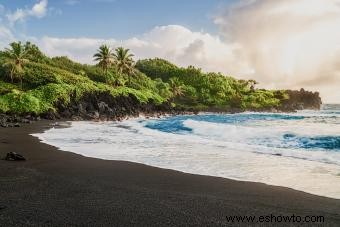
{"x":34,"y":84}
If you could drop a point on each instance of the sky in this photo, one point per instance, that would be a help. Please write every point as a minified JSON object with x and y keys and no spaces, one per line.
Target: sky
{"x":282,"y":43}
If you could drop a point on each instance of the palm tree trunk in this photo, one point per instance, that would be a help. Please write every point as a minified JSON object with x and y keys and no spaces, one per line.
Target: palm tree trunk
{"x":11,"y":74}
{"x":105,"y":73}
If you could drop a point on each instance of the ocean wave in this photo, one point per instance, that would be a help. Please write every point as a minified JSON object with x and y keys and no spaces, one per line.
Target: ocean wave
{"x":292,"y":150}
{"x":317,"y":142}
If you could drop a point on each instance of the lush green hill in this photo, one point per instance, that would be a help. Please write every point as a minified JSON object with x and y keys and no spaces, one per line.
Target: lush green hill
{"x":44,"y":84}
{"x":211,"y":90}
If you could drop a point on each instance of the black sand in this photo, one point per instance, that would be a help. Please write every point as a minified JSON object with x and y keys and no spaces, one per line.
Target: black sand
{"x":56,"y":188}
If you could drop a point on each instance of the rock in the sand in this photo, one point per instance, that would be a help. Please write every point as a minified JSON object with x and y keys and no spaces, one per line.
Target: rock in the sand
{"x":12,"y":156}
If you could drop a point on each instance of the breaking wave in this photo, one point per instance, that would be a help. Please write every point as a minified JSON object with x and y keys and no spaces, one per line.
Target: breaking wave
{"x":300,"y":150}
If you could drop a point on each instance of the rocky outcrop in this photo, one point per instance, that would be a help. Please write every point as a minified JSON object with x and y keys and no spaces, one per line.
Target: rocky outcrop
{"x":101,"y":106}
{"x":104,"y":106}
{"x":8,"y":121}
{"x":299,"y":100}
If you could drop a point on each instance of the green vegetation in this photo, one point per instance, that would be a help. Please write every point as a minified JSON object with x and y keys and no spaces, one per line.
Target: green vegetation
{"x":14,"y":60}
{"x":193,"y":88}
{"x":31,"y":82}
{"x":104,"y":57}
{"x":124,"y":61}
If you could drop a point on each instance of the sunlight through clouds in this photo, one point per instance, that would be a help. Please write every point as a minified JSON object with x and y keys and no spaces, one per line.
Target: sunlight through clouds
{"x":288,"y":43}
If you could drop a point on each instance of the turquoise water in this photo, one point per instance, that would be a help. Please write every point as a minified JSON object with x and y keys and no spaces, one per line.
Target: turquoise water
{"x":269,"y":130}
{"x":298,"y":150}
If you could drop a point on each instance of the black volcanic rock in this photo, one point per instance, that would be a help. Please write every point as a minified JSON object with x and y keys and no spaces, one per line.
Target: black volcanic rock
{"x":302,"y":99}
{"x":12,"y":156}
{"x":104,"y":106}
{"x":13,"y":120}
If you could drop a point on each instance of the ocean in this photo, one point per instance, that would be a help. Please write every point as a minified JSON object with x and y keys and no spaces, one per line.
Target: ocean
{"x":296,"y":150}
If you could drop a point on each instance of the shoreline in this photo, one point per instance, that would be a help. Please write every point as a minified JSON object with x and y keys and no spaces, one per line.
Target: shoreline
{"x":68,"y":124}
{"x":52,"y":184}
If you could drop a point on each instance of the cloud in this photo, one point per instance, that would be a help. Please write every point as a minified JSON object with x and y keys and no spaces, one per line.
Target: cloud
{"x":288,"y":43}
{"x":9,"y":32}
{"x":80,"y":49}
{"x":38,"y":10}
{"x":173,"y":42}
{"x":281,"y":43}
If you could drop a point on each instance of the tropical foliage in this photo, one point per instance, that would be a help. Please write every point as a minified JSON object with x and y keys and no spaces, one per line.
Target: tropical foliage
{"x":14,"y":59}
{"x":176,"y":87}
{"x":207,"y":90}
{"x":104,"y":57}
{"x":44,"y":82}
{"x":124,"y":62}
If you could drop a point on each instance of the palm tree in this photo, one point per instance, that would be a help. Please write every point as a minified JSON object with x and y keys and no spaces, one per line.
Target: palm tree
{"x":15,"y":58}
{"x":252,"y":84}
{"x":176,"y":87}
{"x":124,"y":61}
{"x":105,"y":58}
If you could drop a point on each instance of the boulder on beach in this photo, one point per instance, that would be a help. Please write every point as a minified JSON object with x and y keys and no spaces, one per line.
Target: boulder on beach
{"x":12,"y":156}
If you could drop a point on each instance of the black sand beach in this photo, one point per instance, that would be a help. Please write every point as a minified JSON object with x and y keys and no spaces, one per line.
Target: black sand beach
{"x":56,"y":188}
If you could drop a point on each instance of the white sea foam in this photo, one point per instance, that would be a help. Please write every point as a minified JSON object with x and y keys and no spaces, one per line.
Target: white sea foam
{"x":214,"y":149}
{"x":264,"y":137}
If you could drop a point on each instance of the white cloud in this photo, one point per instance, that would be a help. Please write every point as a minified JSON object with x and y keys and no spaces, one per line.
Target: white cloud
{"x":9,"y":32}
{"x":288,"y":43}
{"x":281,"y":43}
{"x":38,"y":10}
{"x":173,"y":42}
{"x":80,"y":49}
